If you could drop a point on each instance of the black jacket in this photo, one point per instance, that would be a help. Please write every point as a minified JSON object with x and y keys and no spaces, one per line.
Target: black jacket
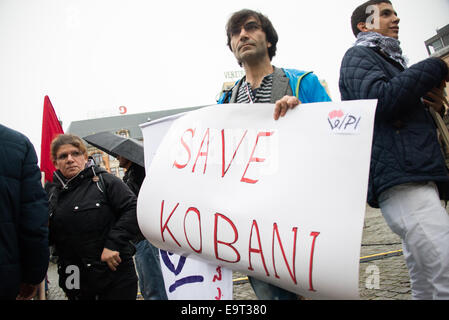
{"x":85,"y":219}
{"x":24,"y":249}
{"x":134,"y":177}
{"x":405,"y":146}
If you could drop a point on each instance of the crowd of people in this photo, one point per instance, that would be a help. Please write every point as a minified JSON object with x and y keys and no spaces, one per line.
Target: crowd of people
{"x":89,"y":216}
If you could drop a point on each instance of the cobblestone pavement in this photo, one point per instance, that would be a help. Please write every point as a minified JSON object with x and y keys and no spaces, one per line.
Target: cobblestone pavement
{"x":377,"y":239}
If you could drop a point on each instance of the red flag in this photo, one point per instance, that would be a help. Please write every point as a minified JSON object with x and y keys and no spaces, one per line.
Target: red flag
{"x":51,"y":127}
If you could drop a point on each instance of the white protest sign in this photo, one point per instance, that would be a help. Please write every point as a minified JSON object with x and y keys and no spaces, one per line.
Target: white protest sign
{"x":185,"y":278}
{"x":282,"y":201}
{"x":154,"y":133}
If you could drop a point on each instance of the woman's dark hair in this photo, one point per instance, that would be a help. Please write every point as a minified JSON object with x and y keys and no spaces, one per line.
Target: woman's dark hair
{"x":360,"y":15}
{"x":238,"y":19}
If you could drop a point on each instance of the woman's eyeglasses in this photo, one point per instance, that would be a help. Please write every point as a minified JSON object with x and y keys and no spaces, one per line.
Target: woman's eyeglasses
{"x":64,"y":156}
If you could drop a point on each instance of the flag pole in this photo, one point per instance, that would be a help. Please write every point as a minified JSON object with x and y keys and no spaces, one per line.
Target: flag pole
{"x":51,"y":127}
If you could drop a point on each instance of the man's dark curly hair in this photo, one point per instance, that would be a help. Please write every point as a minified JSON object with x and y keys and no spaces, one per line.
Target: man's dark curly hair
{"x":238,"y":19}
{"x":360,"y":15}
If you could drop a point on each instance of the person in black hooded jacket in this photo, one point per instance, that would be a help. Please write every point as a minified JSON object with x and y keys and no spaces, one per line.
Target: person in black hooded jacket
{"x":92,"y":221}
{"x":151,"y":280}
{"x":24,"y":249}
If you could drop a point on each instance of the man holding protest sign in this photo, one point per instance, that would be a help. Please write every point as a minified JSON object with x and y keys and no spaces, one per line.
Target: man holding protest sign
{"x":252,"y":38}
{"x":407,"y":165}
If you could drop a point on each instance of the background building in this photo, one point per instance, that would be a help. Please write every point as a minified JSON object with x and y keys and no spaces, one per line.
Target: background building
{"x":123,"y":125}
{"x":438,"y":46}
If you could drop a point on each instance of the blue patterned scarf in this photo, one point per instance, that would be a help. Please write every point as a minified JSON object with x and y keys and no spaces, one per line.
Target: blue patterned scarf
{"x":389,"y":46}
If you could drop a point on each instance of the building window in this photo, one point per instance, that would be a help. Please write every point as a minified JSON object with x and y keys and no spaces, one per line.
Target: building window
{"x":124,"y":133}
{"x":121,"y":173}
{"x":446,"y":40}
{"x":435,"y":46}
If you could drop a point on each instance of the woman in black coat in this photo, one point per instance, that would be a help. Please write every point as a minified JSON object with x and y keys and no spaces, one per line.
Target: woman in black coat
{"x":92,"y":220}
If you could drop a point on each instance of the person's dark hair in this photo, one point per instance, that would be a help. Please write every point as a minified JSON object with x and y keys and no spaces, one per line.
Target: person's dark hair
{"x":360,"y":15}
{"x":63,"y":139}
{"x":238,"y":19}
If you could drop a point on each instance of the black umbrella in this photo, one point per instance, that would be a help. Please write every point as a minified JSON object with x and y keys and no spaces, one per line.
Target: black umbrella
{"x":115,"y":145}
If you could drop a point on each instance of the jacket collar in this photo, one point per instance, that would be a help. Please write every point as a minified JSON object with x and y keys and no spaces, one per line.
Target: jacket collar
{"x":88,"y":172}
{"x":280,"y":86}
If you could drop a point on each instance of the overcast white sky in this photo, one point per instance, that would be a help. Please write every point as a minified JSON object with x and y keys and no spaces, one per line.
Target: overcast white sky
{"x":93,"y":56}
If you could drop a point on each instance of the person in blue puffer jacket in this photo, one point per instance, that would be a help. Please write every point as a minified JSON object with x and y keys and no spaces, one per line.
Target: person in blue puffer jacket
{"x":407,"y":170}
{"x":252,"y":39}
{"x":24,"y":252}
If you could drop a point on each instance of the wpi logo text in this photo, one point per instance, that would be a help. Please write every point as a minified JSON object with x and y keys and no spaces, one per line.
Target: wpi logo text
{"x":344,"y":122}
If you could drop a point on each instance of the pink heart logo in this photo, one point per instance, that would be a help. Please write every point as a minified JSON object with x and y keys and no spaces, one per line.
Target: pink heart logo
{"x":336,"y":114}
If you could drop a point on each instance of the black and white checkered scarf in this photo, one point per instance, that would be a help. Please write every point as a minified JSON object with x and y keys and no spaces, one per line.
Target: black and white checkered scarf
{"x":389,"y":46}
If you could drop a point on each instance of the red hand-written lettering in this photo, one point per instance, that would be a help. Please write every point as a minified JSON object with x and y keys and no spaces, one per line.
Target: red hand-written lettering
{"x":314,"y":234}
{"x":224,"y":167}
{"x":203,"y":154}
{"x":181,"y":166}
{"x":199,"y":224}
{"x":219,"y":275}
{"x":218,"y":297}
{"x":255,"y":159}
{"x":227,"y":250}
{"x":165,"y":226}
{"x":292,"y":273}
{"x":251,"y":250}
{"x":223,"y":161}
{"x":229,"y":244}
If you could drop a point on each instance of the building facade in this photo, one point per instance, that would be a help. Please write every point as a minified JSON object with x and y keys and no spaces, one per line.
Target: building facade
{"x":438,"y":46}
